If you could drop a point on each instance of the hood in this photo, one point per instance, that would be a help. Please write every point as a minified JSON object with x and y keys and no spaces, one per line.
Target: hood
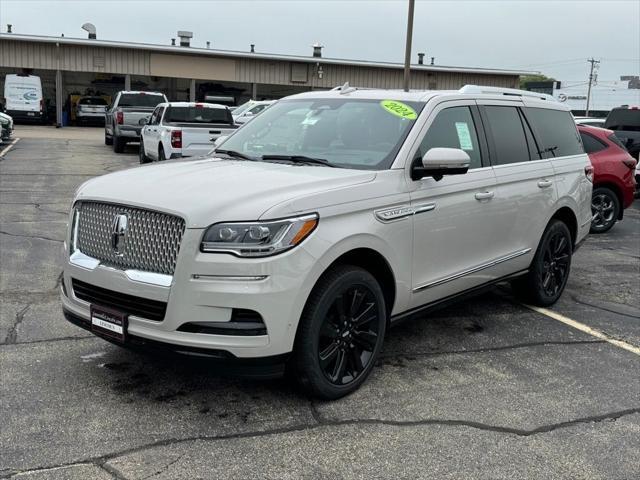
{"x":211,"y":190}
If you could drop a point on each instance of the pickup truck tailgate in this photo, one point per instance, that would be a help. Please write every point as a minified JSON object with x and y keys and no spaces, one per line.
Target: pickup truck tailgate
{"x":198,"y":140}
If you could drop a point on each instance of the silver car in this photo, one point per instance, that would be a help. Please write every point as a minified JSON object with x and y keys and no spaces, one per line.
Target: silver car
{"x":91,"y":110}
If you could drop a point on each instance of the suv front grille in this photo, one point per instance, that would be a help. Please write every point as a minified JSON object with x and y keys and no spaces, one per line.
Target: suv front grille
{"x":137,"y":306}
{"x":150,"y":243}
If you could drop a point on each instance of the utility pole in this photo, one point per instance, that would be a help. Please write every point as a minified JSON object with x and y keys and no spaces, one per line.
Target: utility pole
{"x":407,"y":52}
{"x":593,"y":63}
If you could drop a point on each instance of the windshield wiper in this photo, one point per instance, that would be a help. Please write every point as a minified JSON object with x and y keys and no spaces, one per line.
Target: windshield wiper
{"x":299,"y":159}
{"x":234,"y":154}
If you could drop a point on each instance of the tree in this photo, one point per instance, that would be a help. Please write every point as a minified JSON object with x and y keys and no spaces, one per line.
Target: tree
{"x":534,"y":78}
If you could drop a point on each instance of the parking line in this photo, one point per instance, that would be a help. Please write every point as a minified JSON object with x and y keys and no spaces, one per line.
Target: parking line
{"x":586,"y":329}
{"x":8,"y":147}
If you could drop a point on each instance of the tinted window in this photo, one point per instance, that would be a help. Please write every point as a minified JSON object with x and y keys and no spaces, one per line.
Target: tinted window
{"x":534,"y":152}
{"x":197,"y":114}
{"x":591,"y":145}
{"x":140,"y":100}
{"x":453,"y":128}
{"x":155,"y":118}
{"x":509,"y":140}
{"x":623,"y":119}
{"x":555,"y":131}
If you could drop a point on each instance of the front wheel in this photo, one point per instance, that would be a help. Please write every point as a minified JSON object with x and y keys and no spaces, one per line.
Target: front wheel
{"x":605,"y":209}
{"x":550,"y":268}
{"x":341,"y":333}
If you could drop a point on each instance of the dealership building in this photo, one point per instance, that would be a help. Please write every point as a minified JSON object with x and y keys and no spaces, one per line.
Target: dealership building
{"x":78,"y":66}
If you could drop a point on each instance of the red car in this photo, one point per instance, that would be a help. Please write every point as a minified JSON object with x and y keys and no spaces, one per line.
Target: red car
{"x":613,"y":176}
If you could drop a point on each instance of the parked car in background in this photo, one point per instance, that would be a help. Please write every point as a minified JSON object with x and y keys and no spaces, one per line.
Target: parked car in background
{"x":625,"y":122}
{"x":6,"y":122}
{"x":614,"y":184}
{"x":590,"y":121}
{"x":23,"y":98}
{"x":330,"y":216}
{"x":91,"y":110}
{"x":122,"y":120}
{"x":183,"y":129}
{"x":247,"y":111}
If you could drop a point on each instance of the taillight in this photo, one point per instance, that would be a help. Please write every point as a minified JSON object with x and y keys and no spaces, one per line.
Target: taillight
{"x":588,"y":172}
{"x":119,"y":118}
{"x":176,"y":138}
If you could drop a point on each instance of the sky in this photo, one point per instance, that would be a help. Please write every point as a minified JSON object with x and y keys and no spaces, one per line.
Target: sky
{"x":554,"y":37}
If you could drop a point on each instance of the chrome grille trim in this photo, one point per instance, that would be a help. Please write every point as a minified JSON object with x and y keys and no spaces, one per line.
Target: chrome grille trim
{"x":151,"y":243}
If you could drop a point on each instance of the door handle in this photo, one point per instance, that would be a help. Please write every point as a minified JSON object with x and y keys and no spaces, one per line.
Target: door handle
{"x":545,"y":183}
{"x":484,"y":195}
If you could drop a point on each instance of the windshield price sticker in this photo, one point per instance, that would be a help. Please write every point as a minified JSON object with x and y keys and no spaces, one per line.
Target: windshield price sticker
{"x":399,"y":109}
{"x":464,"y":137}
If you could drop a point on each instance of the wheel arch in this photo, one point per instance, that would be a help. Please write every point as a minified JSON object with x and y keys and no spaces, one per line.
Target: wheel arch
{"x":569,"y":218}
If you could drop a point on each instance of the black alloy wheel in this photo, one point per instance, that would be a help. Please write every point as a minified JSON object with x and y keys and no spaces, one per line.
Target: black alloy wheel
{"x":555,"y":263}
{"x":349,"y":335}
{"x":549,"y":271}
{"x":341,"y":332}
{"x":605,"y":209}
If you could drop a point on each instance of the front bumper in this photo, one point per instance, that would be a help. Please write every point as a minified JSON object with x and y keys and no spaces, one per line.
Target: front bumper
{"x":205,"y":289}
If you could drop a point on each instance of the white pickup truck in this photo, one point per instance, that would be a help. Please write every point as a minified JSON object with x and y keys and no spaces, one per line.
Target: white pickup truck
{"x":184,"y":129}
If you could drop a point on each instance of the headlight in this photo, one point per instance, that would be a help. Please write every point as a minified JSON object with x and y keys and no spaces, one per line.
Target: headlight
{"x":258,"y":239}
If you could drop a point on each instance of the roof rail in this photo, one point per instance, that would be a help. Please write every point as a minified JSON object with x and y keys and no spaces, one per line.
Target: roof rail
{"x":505,"y":91}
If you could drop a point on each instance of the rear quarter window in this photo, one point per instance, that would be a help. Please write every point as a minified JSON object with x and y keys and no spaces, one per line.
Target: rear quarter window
{"x":556,"y":132}
{"x":591,"y":144}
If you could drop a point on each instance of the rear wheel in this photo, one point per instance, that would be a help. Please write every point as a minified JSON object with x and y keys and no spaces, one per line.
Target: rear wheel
{"x":550,"y":268}
{"x":605,"y":208}
{"x":341,"y":333}
{"x":118,"y":144}
{"x":161,"y":156}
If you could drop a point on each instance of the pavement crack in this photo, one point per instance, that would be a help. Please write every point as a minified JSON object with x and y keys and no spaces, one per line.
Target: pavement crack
{"x":12,"y":334}
{"x":487,"y":349}
{"x":605,"y":309}
{"x":102,"y":460}
{"x":31,"y":236}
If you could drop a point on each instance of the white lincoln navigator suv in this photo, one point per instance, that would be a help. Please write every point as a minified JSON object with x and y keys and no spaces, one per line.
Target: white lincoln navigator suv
{"x":313,"y":228}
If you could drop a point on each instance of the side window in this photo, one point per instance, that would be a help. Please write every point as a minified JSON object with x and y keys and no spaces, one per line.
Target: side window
{"x":154,"y":115}
{"x":453,"y":128}
{"x":158,"y":114}
{"x":257,"y":109}
{"x":556,"y":132}
{"x":509,"y":140}
{"x":591,"y":144}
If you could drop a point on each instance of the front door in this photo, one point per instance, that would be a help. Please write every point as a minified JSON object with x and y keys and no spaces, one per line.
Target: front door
{"x":454,"y":234}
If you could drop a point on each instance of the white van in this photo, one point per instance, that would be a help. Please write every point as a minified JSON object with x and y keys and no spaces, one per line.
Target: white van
{"x":23,"y":97}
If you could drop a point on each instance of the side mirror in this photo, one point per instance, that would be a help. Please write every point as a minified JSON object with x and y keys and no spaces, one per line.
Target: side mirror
{"x":143,"y":121}
{"x":438,"y":162}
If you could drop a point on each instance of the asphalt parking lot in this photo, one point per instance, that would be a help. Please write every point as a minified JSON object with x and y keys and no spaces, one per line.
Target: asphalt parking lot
{"x":486,"y":389}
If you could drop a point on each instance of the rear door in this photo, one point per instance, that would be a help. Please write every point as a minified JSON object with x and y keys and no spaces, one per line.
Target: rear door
{"x":150,"y":135}
{"x":525,"y":182}
{"x":454,"y":233}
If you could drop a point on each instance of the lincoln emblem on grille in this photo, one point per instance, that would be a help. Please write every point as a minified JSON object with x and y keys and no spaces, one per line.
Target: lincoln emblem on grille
{"x":118,"y":231}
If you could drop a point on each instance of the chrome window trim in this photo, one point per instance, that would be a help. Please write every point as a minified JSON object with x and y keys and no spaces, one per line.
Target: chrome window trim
{"x":472,"y":270}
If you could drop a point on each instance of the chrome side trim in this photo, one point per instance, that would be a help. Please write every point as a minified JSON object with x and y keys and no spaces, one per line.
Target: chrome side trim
{"x":230,"y":278}
{"x":81,"y":260}
{"x":391,"y":214}
{"x":469,"y":271}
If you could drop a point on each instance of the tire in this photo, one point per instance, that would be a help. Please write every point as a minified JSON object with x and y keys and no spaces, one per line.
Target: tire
{"x":346,"y":301}
{"x":161,"y":156}
{"x":107,"y":139}
{"x":141,"y":154}
{"x":605,"y":208}
{"x":550,"y":268}
{"x":118,"y":144}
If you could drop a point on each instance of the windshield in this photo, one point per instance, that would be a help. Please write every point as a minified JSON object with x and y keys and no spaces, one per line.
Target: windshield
{"x":197,"y":114}
{"x":363,"y":134}
{"x":140,"y":100}
{"x":243,"y":108}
